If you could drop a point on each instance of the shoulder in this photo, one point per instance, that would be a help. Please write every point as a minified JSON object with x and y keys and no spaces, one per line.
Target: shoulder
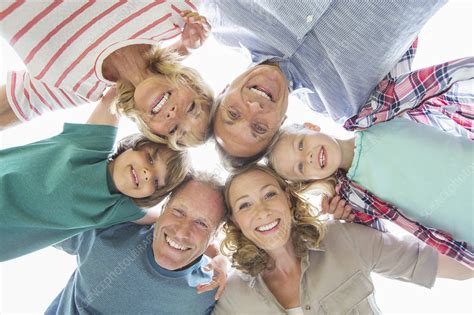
{"x":238,"y":293}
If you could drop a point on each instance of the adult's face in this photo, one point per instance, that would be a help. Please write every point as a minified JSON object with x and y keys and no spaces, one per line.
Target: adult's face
{"x":261,"y":209}
{"x":187,"y":225}
{"x":252,"y":109}
{"x":170,"y":110}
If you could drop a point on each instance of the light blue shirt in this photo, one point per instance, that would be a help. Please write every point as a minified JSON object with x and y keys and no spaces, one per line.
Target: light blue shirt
{"x":339,"y":50}
{"x":117,"y":274}
{"x":426,"y":172}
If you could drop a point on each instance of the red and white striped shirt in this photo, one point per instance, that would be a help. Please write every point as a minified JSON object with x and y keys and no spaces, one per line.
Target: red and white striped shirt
{"x":63,"y":45}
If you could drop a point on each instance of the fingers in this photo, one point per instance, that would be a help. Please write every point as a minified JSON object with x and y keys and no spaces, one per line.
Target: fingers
{"x":339,"y":208}
{"x":325,"y":204}
{"x":218,"y":281}
{"x":192,"y":17}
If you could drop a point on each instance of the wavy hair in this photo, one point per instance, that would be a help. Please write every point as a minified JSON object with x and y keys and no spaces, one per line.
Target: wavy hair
{"x":167,"y":63}
{"x":177,"y":165}
{"x":307,"y":230}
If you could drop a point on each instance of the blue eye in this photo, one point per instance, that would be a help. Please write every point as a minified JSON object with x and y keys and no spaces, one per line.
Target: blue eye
{"x":150,"y":158}
{"x":270,"y":195}
{"x":300,"y":145}
{"x":244,"y":205}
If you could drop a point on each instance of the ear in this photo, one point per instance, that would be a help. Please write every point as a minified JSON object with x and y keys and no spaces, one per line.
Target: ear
{"x":311,"y":126}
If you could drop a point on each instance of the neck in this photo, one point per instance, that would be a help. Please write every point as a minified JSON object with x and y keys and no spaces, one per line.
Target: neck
{"x":126,"y":64}
{"x":347,"y":149}
{"x":284,"y":259}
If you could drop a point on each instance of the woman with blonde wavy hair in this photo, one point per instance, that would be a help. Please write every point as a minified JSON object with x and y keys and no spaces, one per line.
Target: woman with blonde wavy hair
{"x":289,"y":261}
{"x":74,"y":51}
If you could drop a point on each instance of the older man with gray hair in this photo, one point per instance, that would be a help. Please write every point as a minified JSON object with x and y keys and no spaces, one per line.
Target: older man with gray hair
{"x":143,"y":269}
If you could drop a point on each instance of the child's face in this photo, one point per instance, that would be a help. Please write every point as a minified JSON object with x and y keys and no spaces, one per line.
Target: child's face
{"x":138,"y":174}
{"x":306,"y":155}
{"x":168,"y":109}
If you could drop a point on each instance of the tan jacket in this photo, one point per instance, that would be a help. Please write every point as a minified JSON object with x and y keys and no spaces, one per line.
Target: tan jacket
{"x":336,"y":278}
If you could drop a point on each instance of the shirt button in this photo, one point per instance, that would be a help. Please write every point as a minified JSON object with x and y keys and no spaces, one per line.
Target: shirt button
{"x":309,"y":19}
{"x":307,"y":307}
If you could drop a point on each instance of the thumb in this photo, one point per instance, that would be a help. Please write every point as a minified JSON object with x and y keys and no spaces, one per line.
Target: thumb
{"x":208,"y":267}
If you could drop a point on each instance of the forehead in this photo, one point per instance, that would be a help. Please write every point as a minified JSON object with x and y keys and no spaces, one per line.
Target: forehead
{"x":285,"y":156}
{"x":250,"y":182}
{"x":200,"y":200}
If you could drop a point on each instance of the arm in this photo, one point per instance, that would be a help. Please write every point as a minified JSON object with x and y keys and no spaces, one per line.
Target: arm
{"x":7,"y":116}
{"x":451,"y":269}
{"x":102,"y":114}
{"x":31,"y":98}
{"x":195,"y":32}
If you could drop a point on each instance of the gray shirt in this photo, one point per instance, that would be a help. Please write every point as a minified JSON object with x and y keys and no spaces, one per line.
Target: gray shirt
{"x":336,"y":278}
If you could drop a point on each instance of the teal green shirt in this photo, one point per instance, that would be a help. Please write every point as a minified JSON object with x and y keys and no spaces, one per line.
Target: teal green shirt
{"x":424,"y":171}
{"x":55,"y":188}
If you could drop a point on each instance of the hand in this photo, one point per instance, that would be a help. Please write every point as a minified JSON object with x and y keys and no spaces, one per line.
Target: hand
{"x":219,"y":265}
{"x":338,"y":208}
{"x":195,"y":31}
{"x":109,"y":98}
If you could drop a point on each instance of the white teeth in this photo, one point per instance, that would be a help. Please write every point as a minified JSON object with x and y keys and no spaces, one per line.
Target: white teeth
{"x":261,"y":93}
{"x":160,"y":104}
{"x":135,"y":177}
{"x":322,"y":159}
{"x":267,"y":227}
{"x":174,"y":244}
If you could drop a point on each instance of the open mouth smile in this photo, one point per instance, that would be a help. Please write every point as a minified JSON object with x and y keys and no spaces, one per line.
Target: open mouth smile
{"x":174,"y":244}
{"x":322,"y":157}
{"x":134,"y":176}
{"x":159,"y":103}
{"x":268,"y":227}
{"x":262,"y":92}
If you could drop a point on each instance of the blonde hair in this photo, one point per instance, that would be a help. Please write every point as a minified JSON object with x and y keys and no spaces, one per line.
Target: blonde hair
{"x":177,"y":165}
{"x":307,"y":230}
{"x":317,"y":187}
{"x":167,"y":63}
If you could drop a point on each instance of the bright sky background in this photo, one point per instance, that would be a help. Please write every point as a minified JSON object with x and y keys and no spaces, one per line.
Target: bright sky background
{"x":30,"y":283}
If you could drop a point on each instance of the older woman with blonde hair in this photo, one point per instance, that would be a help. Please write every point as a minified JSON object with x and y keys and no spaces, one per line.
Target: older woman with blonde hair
{"x":74,"y":51}
{"x":289,"y":261}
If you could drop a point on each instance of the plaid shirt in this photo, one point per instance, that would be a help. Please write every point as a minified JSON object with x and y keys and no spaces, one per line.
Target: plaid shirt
{"x":430,"y":96}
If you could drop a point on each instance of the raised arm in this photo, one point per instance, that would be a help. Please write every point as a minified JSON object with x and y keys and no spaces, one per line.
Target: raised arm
{"x":102,"y":114}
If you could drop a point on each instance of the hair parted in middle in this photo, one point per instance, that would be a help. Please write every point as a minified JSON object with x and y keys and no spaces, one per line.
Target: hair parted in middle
{"x":307,"y":230}
{"x":178,"y":165}
{"x":165,"y":62}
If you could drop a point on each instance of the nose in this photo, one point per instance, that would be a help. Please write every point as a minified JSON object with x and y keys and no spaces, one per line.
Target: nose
{"x":171,"y":112}
{"x":147,"y":174}
{"x":309,"y":157}
{"x":255,"y":106}
{"x":263,"y":211}
{"x":182,"y":230}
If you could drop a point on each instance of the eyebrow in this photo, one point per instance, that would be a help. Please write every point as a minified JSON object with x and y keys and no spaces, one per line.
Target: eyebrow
{"x":263,"y":188}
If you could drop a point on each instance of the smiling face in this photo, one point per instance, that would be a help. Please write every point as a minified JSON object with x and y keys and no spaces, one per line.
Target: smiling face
{"x":261,"y":209}
{"x":252,"y":109}
{"x":306,"y":155}
{"x":168,"y":109}
{"x":186,"y":226}
{"x":138,"y":174}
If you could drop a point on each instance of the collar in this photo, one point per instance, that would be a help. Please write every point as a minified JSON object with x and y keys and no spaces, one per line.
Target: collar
{"x":171,"y":273}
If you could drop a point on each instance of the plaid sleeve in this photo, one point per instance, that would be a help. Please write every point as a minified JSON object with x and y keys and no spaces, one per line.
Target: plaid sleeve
{"x":392,"y":97}
{"x":372,"y":207}
{"x":405,"y":63}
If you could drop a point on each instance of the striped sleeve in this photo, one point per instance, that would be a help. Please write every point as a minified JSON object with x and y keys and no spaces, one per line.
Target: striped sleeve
{"x":30,"y":98}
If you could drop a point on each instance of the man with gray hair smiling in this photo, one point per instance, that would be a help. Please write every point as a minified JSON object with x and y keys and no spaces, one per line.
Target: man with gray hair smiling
{"x":141,"y":269}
